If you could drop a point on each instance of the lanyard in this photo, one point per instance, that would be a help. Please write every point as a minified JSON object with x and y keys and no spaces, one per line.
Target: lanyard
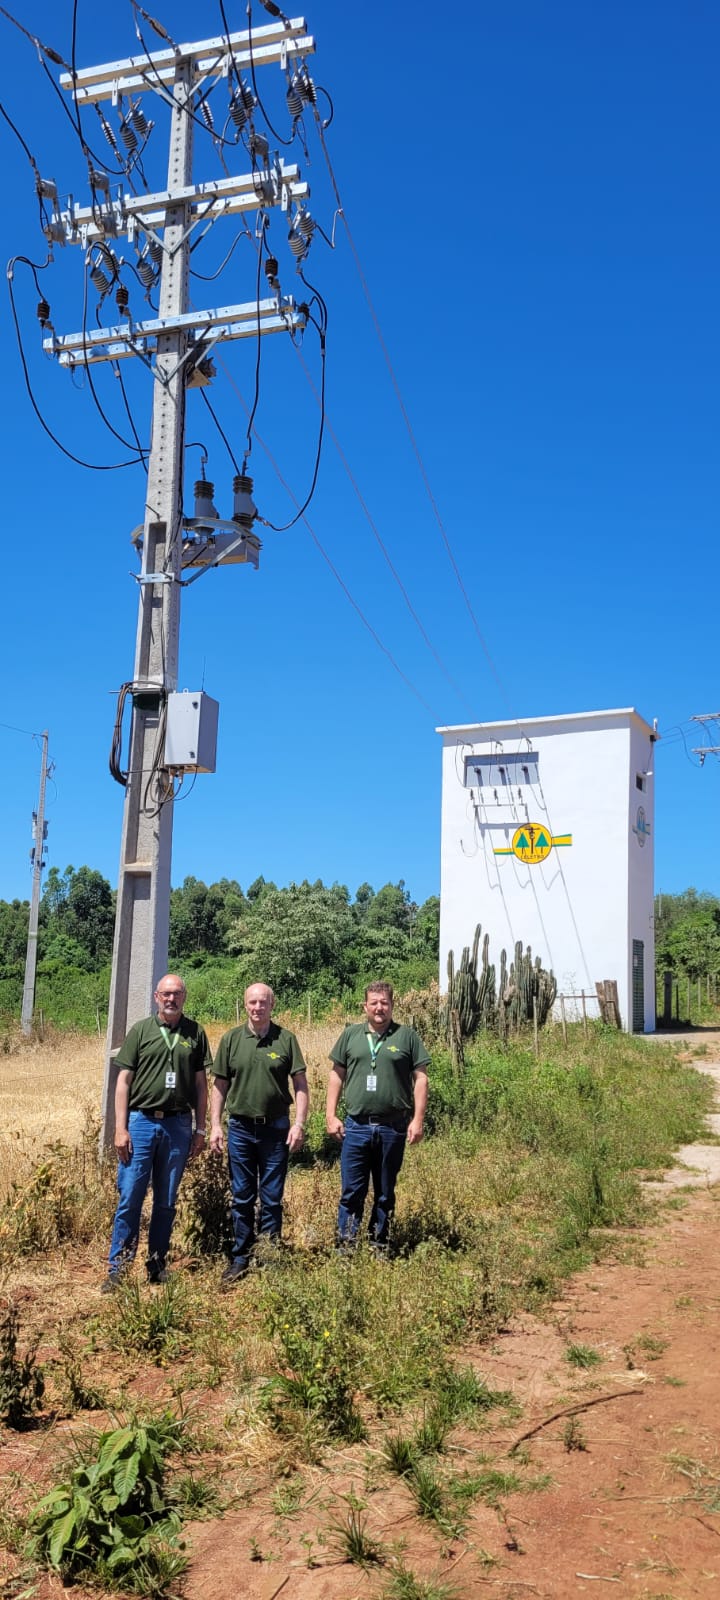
{"x":171,"y":1039}
{"x":374,"y":1048}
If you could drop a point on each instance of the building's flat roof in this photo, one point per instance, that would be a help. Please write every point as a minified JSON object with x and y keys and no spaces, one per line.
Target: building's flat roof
{"x":521,"y":724}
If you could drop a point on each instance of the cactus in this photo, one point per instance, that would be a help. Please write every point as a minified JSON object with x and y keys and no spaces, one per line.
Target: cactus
{"x":471,"y":1000}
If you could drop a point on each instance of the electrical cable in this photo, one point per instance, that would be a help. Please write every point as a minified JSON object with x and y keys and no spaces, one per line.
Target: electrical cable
{"x":94,"y":466}
{"x":256,"y":91}
{"x":154,"y":81}
{"x":383,"y":547}
{"x":115,"y":758}
{"x":209,"y":277}
{"x":19,"y":137}
{"x":406,"y":417}
{"x":93,"y":391}
{"x":220,"y":430}
{"x":284,"y":527}
{"x":262,"y":225}
{"x":12,"y":729}
{"x":142,"y":449}
{"x":329,"y":562}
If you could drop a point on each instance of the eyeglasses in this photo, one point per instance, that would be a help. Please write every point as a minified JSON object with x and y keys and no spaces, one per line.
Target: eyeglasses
{"x":170,"y":994}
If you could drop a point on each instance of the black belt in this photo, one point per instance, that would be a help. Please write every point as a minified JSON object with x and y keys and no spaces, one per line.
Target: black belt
{"x":370,"y":1120}
{"x":159,"y":1116}
{"x":260,"y":1122}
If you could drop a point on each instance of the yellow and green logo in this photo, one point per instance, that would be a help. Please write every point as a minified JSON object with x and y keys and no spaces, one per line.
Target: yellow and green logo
{"x":533,"y":842}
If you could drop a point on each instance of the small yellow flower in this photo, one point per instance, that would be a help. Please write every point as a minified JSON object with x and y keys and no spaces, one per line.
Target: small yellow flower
{"x":326,"y":1333}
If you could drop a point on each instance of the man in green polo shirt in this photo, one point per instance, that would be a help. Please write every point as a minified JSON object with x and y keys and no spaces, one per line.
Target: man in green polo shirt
{"x":255,"y":1066}
{"x":161,"y":1083}
{"x":382,"y":1067}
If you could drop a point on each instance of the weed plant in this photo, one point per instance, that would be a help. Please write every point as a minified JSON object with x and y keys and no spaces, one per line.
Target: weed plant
{"x":64,"y":1199}
{"x":156,"y":1323}
{"x":583,"y":1356}
{"x":82,"y":1396}
{"x":406,"y":1585}
{"x":351,"y":1537}
{"x":315,"y":1322}
{"x":206,"y":1220}
{"x":112,"y":1521}
{"x":22,"y":1384}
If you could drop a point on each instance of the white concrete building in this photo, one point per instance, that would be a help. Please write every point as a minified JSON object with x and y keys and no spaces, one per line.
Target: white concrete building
{"x":548,"y":837}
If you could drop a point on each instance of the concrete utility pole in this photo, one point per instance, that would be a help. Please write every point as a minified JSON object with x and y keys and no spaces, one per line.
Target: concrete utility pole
{"x":180,"y":341}
{"x":38,"y":860}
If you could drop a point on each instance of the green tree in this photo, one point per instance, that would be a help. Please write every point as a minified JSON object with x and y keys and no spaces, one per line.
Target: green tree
{"x":14,"y":920}
{"x":391,"y":907}
{"x":690,"y":943}
{"x":296,"y":938}
{"x":81,"y":906}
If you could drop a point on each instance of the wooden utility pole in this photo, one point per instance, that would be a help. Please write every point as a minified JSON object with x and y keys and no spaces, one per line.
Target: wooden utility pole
{"x":38,"y":860}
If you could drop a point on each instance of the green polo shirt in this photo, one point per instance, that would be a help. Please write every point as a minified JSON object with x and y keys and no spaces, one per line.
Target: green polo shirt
{"x":164,"y":1068}
{"x":401,"y":1053}
{"x":258,"y":1070}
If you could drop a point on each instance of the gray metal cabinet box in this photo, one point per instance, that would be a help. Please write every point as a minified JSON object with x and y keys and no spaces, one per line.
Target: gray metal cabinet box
{"x":191,"y":731}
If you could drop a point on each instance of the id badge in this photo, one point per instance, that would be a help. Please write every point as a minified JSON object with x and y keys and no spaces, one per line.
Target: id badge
{"x":170,"y":1080}
{"x":371,"y":1082}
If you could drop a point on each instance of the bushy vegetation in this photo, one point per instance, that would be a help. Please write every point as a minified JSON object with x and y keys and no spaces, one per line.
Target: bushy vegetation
{"x":315,"y":945}
{"x":687,"y":934}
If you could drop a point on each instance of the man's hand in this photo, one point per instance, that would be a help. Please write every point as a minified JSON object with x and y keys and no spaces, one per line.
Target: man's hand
{"x":335,"y":1128}
{"x":296,"y":1137}
{"x":123,"y":1146}
{"x":216,"y":1140}
{"x":415,"y":1131}
{"x":197,"y":1145}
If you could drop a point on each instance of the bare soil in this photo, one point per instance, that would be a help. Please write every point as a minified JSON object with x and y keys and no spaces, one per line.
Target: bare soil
{"x":625,"y":1455}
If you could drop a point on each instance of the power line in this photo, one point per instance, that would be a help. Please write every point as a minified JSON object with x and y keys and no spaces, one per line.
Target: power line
{"x":327,"y":558}
{"x":383,"y":547}
{"x":93,"y":466}
{"x":405,"y":415}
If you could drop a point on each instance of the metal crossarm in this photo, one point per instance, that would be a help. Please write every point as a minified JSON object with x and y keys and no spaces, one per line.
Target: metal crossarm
{"x":132,"y":213}
{"x":140,"y":338}
{"x":276,"y":43}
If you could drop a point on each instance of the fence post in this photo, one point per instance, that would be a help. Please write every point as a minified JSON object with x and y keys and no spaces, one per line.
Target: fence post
{"x":584,"y":1010}
{"x":688,"y":999}
{"x":237,"y":1010}
{"x":667,"y":998}
{"x":563,"y":1018}
{"x":535,"y":1026}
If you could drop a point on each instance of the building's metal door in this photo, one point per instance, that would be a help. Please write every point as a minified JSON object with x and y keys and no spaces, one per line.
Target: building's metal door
{"x":638,"y":986}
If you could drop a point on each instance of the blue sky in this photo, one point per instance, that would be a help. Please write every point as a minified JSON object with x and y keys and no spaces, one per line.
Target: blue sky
{"x":531,"y":191}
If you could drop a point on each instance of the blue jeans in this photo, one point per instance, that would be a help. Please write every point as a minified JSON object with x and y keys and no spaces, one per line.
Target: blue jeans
{"x":369,"y":1152}
{"x":159,"y":1156}
{"x":258,"y":1161}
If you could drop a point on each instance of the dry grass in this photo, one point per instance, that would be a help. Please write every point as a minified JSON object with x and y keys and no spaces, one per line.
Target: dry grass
{"x":47,"y":1092}
{"x":51,"y":1090}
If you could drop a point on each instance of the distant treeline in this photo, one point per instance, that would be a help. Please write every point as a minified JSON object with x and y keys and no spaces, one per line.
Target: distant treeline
{"x":687,"y":934}
{"x":311,"y":942}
